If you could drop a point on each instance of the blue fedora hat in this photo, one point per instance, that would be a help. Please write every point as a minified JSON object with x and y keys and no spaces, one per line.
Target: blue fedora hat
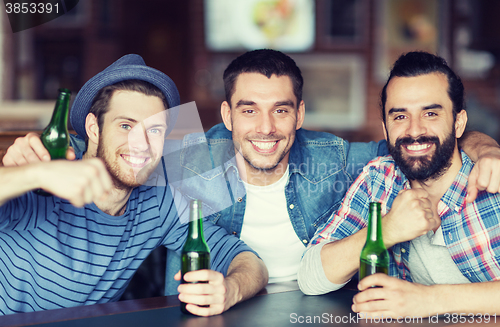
{"x":128,"y":67}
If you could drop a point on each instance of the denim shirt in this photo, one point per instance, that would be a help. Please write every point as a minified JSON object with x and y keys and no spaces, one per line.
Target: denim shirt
{"x":322,"y":166}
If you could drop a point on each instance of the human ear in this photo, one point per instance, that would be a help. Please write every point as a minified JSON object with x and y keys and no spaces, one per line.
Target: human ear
{"x":92,"y":128}
{"x":384,"y":129}
{"x":460,"y":123}
{"x":225,"y":112}
{"x":301,"y":114}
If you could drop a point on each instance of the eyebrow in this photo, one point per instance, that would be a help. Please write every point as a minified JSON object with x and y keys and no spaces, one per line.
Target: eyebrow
{"x":136,"y":122}
{"x":157,"y":126}
{"x":429,"y":107}
{"x":285,"y":103}
{"x":125,"y":118}
{"x":433,"y":106}
{"x":244,"y":103}
{"x":394,"y":110}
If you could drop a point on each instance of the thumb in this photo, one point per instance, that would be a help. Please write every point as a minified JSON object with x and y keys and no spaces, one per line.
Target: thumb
{"x":70,"y":154}
{"x":178,"y":275}
{"x":436,"y":220}
{"x":472,"y":189}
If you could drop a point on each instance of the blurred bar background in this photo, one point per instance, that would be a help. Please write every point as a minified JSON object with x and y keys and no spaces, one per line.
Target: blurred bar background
{"x":344,"y":48}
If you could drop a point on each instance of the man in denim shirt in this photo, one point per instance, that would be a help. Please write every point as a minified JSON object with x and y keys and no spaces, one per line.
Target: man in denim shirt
{"x":262,"y":177}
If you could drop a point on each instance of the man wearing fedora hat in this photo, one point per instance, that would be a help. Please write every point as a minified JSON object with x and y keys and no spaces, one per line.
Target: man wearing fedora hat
{"x":83,"y":244}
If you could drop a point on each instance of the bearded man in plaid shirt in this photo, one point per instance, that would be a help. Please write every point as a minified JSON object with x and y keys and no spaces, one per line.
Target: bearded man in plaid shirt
{"x":444,"y":242}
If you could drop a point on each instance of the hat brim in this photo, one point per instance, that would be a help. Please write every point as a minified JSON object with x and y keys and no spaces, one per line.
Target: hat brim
{"x":118,"y":73}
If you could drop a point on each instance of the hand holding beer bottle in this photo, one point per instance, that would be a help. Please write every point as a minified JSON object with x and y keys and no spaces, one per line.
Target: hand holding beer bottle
{"x":55,"y":137}
{"x":195,"y":253}
{"x":374,"y":256}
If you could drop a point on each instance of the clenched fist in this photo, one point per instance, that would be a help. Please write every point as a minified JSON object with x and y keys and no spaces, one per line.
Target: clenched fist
{"x":411,"y":216}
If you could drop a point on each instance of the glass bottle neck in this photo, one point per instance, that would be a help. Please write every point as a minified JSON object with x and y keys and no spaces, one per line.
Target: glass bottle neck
{"x":61,"y":110}
{"x":195,"y":230}
{"x":374,"y":232}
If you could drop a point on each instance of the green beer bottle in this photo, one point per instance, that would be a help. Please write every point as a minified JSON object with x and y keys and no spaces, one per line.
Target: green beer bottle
{"x":195,"y":253}
{"x":374,"y":256}
{"x":55,"y":137}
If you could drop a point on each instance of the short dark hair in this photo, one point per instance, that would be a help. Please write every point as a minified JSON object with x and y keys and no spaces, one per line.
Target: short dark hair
{"x":266,"y":62}
{"x":418,"y":63}
{"x":100,"y":104}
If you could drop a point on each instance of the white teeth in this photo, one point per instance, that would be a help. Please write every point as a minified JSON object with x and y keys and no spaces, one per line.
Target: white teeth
{"x":135,"y":160}
{"x":264,"y":145}
{"x":417,"y":147}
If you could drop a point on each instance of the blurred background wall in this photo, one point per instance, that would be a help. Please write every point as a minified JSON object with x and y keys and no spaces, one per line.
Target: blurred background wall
{"x":344,"y":47}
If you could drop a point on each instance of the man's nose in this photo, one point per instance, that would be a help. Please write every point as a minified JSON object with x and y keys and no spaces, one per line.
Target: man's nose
{"x":266,"y":124}
{"x":416,"y":127}
{"x":137,"y":139}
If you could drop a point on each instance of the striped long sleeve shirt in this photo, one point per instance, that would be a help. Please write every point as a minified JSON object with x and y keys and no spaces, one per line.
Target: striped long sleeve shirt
{"x":54,"y":255}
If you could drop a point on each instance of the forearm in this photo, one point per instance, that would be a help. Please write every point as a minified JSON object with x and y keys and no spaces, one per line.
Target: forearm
{"x":79,"y":182}
{"x":466,"y":298}
{"x":340,"y":259}
{"x":16,"y":181}
{"x":246,"y":276}
{"x":476,"y":144}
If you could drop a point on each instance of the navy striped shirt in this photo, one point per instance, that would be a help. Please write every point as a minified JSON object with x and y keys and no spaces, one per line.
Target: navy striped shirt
{"x":54,"y":255}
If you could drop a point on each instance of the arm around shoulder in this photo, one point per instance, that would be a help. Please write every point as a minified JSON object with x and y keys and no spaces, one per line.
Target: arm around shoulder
{"x":476,"y":145}
{"x":485,"y":152}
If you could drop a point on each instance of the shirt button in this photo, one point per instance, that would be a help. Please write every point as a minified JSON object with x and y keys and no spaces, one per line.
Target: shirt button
{"x":292,"y":206}
{"x":403,"y":250}
{"x":451,"y":237}
{"x":234,"y":233}
{"x":240,"y":199}
{"x":304,"y":241}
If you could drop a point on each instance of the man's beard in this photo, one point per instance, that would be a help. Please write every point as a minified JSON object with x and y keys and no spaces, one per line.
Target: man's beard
{"x":120,"y":179}
{"x":424,"y":168}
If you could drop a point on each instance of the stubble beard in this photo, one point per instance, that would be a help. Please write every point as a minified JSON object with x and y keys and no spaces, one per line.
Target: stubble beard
{"x":256,"y":168}
{"x":121,"y":181}
{"x":266,"y":169}
{"x":259,"y":165}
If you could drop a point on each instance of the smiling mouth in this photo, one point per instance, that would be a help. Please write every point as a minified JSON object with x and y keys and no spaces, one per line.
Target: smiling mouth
{"x":135,"y":161}
{"x":418,"y":147}
{"x":264,"y":145}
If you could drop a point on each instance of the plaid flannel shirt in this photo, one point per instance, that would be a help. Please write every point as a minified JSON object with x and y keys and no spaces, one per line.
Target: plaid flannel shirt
{"x":471,"y":230}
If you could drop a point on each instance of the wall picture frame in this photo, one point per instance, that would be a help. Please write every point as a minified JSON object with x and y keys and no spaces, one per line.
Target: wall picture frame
{"x":409,"y":25}
{"x":334,"y":90}
{"x":286,"y":25}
